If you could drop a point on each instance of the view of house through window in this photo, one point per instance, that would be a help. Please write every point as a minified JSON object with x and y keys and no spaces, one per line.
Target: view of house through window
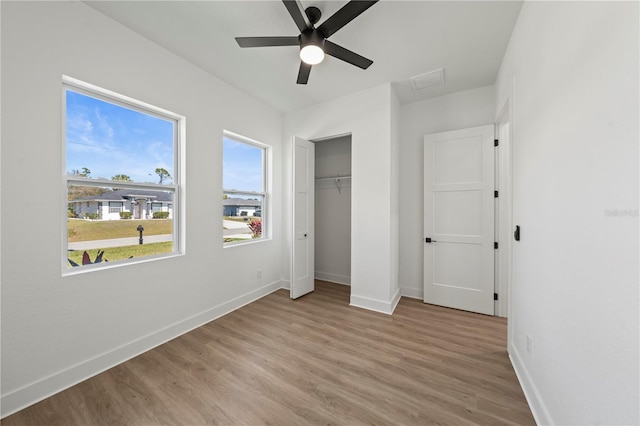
{"x":244,"y":182}
{"x":121,"y":178}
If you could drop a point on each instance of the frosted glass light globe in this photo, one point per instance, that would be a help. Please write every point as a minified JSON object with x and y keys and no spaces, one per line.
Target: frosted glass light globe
{"x":311,"y":54}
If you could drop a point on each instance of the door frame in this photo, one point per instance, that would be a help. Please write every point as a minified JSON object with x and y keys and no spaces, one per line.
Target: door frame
{"x":481,"y":301}
{"x":329,"y":138}
{"x":504,"y":169}
{"x":292,"y":211}
{"x":504,"y":213}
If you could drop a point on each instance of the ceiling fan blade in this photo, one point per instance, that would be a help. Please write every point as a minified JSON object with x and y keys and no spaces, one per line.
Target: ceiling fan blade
{"x":303,"y":74}
{"x":267,"y":41}
{"x":298,"y":14}
{"x":346,"y":55}
{"x":342,"y":17}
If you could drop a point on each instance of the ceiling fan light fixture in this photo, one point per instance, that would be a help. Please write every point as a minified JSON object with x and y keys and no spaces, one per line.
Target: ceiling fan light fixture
{"x":313,"y":41}
{"x":311,"y":54}
{"x":311,"y":47}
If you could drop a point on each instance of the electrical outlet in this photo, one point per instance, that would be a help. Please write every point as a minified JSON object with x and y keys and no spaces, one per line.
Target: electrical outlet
{"x":258,"y":274}
{"x":529,"y":343}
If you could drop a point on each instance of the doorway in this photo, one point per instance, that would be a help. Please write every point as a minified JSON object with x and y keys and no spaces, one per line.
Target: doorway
{"x":459,"y":211}
{"x":321,"y":226}
{"x":487,"y":288}
{"x":333,"y":210}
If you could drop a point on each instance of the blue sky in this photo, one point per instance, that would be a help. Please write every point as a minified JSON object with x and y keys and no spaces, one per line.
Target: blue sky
{"x":242,"y":166}
{"x":109,"y":139}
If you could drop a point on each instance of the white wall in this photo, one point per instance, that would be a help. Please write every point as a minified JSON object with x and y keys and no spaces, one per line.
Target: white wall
{"x":333,"y":211}
{"x":460,"y":110}
{"x":394,"y":289}
{"x":57,"y":331}
{"x":571,"y":75}
{"x":367,"y":116}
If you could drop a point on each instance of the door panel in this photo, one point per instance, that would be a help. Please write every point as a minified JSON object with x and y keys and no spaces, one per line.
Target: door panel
{"x":459,"y":219}
{"x":449,"y":257}
{"x":301,"y":238}
{"x":302,"y":251}
{"x":459,"y":160}
{"x":457,"y":212}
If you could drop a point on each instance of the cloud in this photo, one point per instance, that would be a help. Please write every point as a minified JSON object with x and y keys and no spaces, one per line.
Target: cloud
{"x":78,"y":123}
{"x":105,"y":128}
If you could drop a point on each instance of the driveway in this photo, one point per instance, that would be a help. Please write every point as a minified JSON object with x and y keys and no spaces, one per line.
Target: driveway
{"x":233,"y":229}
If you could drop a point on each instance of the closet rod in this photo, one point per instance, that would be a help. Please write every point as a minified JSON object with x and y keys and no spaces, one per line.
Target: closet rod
{"x":337,"y":180}
{"x":334,"y":177}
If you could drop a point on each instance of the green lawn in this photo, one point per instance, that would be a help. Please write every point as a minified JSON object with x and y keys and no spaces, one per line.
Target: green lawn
{"x":119,"y":253}
{"x":89,"y":230}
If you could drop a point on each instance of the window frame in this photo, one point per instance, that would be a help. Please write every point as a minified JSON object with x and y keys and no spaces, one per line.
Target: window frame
{"x":265,"y":216}
{"x":176,"y":187}
{"x":120,"y":207}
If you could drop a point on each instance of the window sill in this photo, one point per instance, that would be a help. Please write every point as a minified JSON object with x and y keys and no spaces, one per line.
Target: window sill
{"x":116,"y":264}
{"x":244,"y":243}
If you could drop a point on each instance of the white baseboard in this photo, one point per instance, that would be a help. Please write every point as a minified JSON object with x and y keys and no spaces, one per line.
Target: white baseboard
{"x":538,"y":409}
{"x":414,"y":293}
{"x":395,"y":299}
{"x":25,"y":396}
{"x":376,"y":305}
{"x":333,"y":278}
{"x":285,"y":284}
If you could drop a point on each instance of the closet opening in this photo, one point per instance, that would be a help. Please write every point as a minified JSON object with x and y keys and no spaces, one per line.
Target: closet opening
{"x":333,"y":210}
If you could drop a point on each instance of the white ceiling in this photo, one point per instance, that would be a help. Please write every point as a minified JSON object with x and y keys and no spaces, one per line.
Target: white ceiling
{"x":403,"y":38}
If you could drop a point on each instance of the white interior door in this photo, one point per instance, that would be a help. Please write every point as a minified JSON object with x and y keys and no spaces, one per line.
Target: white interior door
{"x":302,"y":252}
{"x":459,"y":219}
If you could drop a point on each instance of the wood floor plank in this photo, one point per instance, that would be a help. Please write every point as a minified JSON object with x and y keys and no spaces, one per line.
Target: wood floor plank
{"x":315,"y":360}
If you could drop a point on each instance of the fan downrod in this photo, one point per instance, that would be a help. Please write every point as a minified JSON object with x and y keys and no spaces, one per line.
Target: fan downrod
{"x":313,"y":13}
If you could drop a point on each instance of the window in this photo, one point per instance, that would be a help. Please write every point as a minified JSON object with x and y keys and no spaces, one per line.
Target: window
{"x":114,"y":206}
{"x":245,"y":195}
{"x":121,"y":178}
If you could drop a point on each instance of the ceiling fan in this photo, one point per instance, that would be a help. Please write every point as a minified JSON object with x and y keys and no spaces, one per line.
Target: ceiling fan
{"x":313,"y":41}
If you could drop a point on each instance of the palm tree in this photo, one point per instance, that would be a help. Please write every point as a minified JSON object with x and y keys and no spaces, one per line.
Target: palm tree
{"x":162,"y":174}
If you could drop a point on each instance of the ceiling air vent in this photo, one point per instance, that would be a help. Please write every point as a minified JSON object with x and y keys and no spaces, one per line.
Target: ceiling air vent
{"x":428,"y":79}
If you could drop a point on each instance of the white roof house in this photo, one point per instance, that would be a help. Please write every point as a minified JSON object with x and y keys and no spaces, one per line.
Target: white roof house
{"x":109,"y":205}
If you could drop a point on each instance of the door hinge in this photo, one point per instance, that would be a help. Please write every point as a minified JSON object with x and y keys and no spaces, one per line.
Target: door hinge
{"x":495,"y":194}
{"x":495,"y":245}
{"x":495,"y":296}
{"x":496,"y":142}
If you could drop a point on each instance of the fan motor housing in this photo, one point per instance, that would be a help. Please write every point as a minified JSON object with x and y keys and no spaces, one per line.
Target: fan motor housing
{"x":311,"y":36}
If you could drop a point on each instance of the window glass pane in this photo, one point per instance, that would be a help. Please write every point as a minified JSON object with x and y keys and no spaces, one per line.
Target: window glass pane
{"x":110,"y":219}
{"x":115,"y":207}
{"x":109,"y":141}
{"x":244,"y":183}
{"x":242,"y":217}
{"x":242,"y":167}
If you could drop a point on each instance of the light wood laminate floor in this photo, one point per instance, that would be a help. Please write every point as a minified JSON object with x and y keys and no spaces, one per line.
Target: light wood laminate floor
{"x":314,"y":360}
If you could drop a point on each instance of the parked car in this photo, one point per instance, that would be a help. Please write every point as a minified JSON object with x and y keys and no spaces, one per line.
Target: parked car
{"x":258,"y":213}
